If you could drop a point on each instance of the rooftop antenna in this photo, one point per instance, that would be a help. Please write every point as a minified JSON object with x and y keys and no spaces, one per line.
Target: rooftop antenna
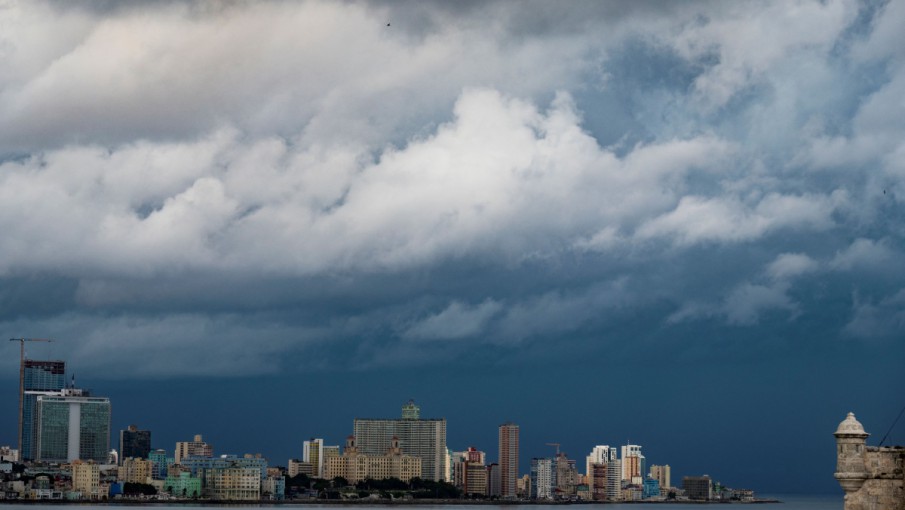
{"x":22,"y":377}
{"x":892,"y":426}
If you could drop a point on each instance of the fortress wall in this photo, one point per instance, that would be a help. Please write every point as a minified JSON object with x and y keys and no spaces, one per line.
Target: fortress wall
{"x":884,"y":488}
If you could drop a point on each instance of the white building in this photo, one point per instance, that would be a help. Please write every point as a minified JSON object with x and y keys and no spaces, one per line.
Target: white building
{"x":313,"y":453}
{"x":541,"y":478}
{"x":633,"y":464}
{"x":600,"y":454}
{"x":614,"y":481}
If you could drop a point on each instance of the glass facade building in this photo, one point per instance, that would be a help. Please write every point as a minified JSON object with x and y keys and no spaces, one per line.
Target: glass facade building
{"x":134,"y":443}
{"x":39,"y":377}
{"x":71,"y":427}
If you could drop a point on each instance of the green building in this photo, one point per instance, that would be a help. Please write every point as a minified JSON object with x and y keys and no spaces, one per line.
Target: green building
{"x":183,"y":485}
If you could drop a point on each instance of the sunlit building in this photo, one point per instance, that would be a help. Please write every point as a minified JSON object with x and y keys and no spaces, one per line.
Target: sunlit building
{"x":355,"y":465}
{"x":421,"y":438}
{"x":194,"y":448}
{"x":86,"y":478}
{"x":633,"y":461}
{"x":508,"y":446}
{"x":662,"y":474}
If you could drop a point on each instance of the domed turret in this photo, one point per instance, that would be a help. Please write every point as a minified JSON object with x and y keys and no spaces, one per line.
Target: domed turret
{"x":851,"y":469}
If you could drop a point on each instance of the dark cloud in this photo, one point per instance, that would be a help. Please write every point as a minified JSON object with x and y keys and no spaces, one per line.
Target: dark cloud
{"x":647,"y":205}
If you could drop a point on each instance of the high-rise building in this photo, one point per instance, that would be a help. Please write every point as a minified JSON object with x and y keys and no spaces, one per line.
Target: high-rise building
{"x":614,"y":480}
{"x":422,"y":438}
{"x":508,"y":446}
{"x":600,"y":454}
{"x":72,"y":426}
{"x":493,"y":480}
{"x":195,"y":448}
{"x":565,"y":475}
{"x":661,"y":474}
{"x":541,"y":479}
{"x":633,"y":464}
{"x":313,"y":453}
{"x":134,"y":443}
{"x":470,"y":472}
{"x":597,"y":480}
{"x":38,"y":378}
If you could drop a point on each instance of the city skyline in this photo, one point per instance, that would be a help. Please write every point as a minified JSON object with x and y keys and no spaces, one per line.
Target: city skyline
{"x":679,"y":225}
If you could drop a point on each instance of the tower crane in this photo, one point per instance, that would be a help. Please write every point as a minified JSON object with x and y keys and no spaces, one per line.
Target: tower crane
{"x":22,"y":377}
{"x":557,"y":447}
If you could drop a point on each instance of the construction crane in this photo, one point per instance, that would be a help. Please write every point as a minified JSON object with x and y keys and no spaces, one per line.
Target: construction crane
{"x":557,"y":447}
{"x":22,"y":377}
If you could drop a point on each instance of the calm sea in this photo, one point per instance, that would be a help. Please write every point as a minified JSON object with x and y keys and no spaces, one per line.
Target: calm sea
{"x":789,"y":502}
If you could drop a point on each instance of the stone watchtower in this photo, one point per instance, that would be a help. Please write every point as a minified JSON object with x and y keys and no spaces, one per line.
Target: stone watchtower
{"x":873,"y":478}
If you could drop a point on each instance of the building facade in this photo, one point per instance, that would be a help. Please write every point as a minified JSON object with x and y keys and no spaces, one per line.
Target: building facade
{"x":72,"y":426}
{"x":600,"y":454}
{"x":355,"y":465}
{"x":614,"y":480}
{"x":633,"y":461}
{"x":39,"y":377}
{"x":159,"y":464}
{"x":313,"y":453}
{"x":508,"y":460}
{"x":422,"y":438}
{"x":662,"y":474}
{"x":86,"y":479}
{"x":232,"y":483}
{"x":698,"y":487}
{"x":183,"y":485}
{"x":134,"y":471}
{"x":194,"y":448}
{"x":873,"y":478}
{"x":134,"y":443}
{"x":541,"y":479}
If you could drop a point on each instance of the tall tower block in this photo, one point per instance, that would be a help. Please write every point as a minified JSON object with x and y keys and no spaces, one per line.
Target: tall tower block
{"x":508,"y":460}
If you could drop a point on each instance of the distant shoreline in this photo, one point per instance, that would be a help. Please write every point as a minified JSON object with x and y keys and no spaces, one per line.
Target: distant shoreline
{"x":376,"y":502}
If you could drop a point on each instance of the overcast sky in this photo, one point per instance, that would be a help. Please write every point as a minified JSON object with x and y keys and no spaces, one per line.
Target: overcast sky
{"x":680,"y":224}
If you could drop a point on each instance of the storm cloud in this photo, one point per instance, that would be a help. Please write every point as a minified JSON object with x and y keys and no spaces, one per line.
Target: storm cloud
{"x":374,"y":185}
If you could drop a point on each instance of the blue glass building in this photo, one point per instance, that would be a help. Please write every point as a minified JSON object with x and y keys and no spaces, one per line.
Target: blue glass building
{"x":39,"y":377}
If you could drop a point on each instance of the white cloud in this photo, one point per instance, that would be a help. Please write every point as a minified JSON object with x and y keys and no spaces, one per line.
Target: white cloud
{"x":747,"y":302}
{"x":458,"y":320}
{"x":877,"y":320}
{"x":743,"y":305}
{"x":790,"y":265}
{"x":701,"y":219}
{"x":865,"y":254}
{"x":748,"y":44}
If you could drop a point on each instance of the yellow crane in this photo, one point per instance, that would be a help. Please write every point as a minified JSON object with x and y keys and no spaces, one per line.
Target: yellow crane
{"x":22,"y":377}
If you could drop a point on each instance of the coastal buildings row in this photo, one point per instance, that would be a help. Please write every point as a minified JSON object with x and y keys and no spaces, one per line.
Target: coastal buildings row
{"x":65,"y":431}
